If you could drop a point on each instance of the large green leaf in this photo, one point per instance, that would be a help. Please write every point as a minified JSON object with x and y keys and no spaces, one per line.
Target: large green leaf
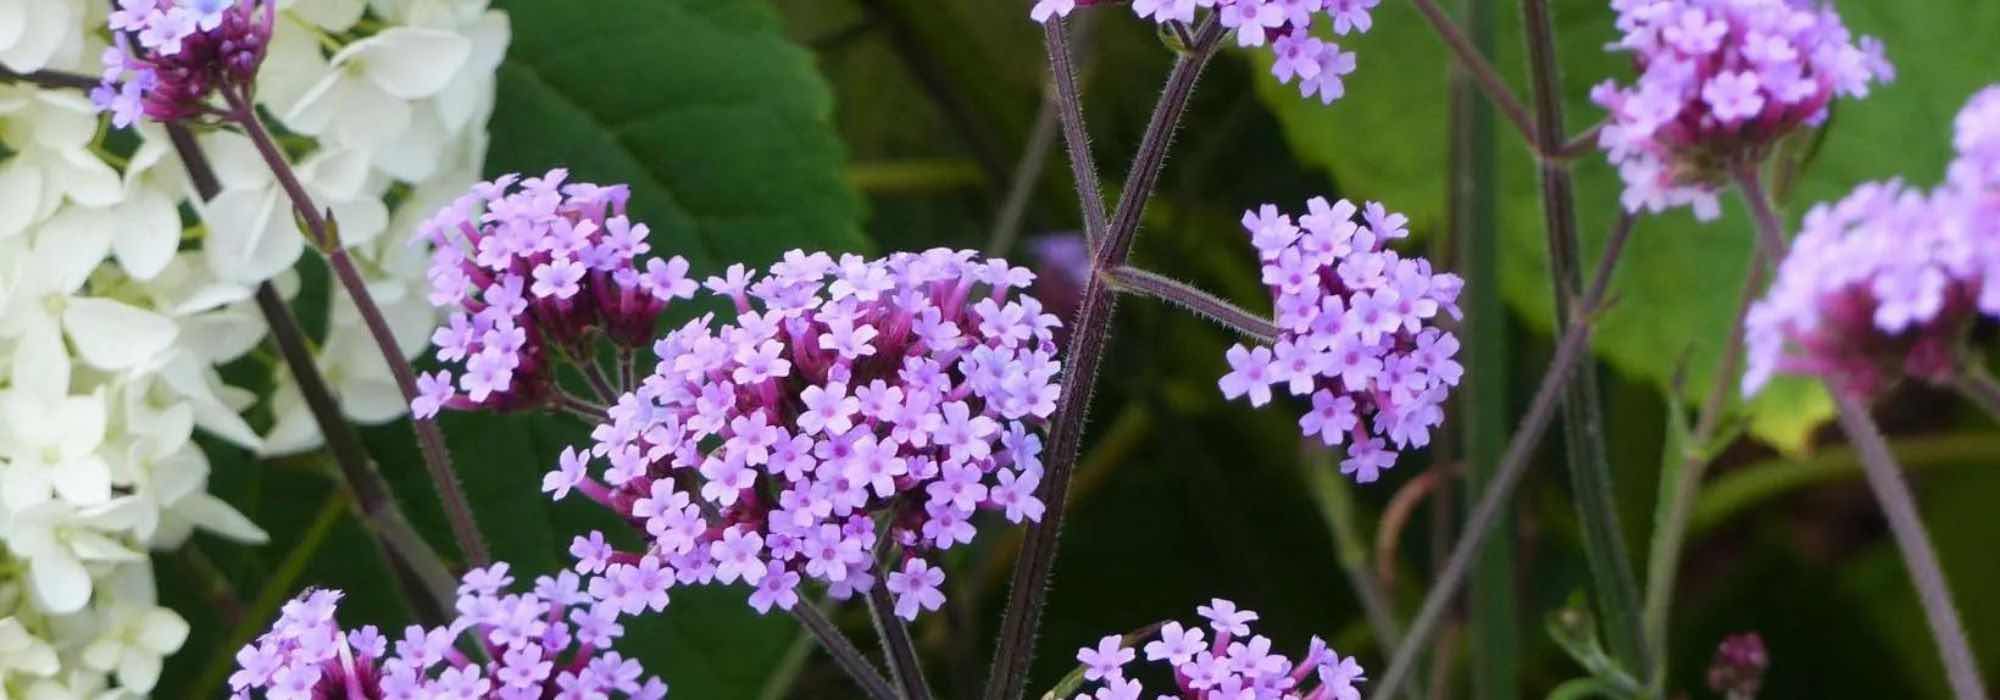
{"x":1677,"y":286}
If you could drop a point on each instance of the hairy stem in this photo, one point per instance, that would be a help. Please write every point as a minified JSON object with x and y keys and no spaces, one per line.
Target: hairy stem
{"x":1906,"y":524}
{"x":1091,"y":328}
{"x":1678,"y":494}
{"x":897,"y":648}
{"x":1076,"y":138}
{"x":430,"y":440}
{"x":843,"y":651}
{"x":50,"y":79}
{"x":1570,"y":352}
{"x":1131,"y":279}
{"x":1616,"y":588}
{"x":1483,"y":74}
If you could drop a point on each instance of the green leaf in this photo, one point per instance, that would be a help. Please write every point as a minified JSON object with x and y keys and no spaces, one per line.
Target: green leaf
{"x":1677,"y":287}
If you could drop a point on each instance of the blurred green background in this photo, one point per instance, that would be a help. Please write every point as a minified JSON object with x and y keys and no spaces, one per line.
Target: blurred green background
{"x":749,"y":127}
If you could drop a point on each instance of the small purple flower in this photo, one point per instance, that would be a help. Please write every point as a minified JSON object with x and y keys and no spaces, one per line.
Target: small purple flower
{"x":1238,"y":665}
{"x":1355,"y":331}
{"x":1107,"y":661}
{"x":916,"y":587}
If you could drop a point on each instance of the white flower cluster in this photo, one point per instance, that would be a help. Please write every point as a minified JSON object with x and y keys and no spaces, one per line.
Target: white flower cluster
{"x":121,"y":292}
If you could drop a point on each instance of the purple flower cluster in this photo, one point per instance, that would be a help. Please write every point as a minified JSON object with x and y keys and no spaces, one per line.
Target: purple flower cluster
{"x":531,"y":271}
{"x":1236,"y":664}
{"x":1885,"y":283}
{"x":913,"y":387}
{"x":1356,"y":331}
{"x":190,"y":48}
{"x":1720,"y":82}
{"x":1285,"y":25}
{"x":552,"y":642}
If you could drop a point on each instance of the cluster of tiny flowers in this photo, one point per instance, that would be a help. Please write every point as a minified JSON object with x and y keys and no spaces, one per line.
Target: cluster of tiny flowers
{"x":1884,"y":283}
{"x":552,"y":642}
{"x":1356,"y":331}
{"x":189,"y":49}
{"x":1235,"y":665}
{"x":533,"y":271}
{"x":1319,"y":66}
{"x":915,"y":387}
{"x":1720,"y":82}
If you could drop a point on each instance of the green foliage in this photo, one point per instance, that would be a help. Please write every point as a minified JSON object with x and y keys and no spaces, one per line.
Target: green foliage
{"x":1677,"y":288}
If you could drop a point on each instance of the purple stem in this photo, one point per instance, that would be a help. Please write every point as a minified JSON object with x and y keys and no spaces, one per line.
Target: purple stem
{"x":1482,"y":72}
{"x":1029,"y":588}
{"x":1885,"y":478}
{"x":430,"y":440}
{"x":1076,"y":138}
{"x":1137,"y":281}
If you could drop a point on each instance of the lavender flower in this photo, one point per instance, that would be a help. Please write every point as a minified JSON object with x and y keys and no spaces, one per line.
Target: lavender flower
{"x":915,"y":387}
{"x":186,"y":52}
{"x":553,"y":641}
{"x":535,"y":271}
{"x":1721,"y":81}
{"x":1737,"y":671}
{"x":1356,"y":331}
{"x":1235,"y":664}
{"x":1319,"y":66}
{"x":1879,"y":285}
{"x":1885,"y":283}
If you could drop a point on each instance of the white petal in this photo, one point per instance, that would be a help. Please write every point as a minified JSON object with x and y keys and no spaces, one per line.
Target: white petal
{"x":41,"y":364}
{"x":147,"y":231}
{"x":414,"y":156}
{"x":84,"y":482}
{"x":20,"y":194}
{"x":251,"y":235}
{"x":112,"y":335}
{"x":78,"y":423}
{"x":332,"y":15}
{"x":138,"y":670}
{"x":336,"y":173}
{"x":215,"y":515}
{"x":372,"y":401}
{"x":369,"y":116}
{"x":223,"y":335}
{"x":292,"y":67}
{"x":69,"y":246}
{"x":162,"y":631}
{"x":41,"y":35}
{"x":235,"y":161}
{"x":361,"y":220}
{"x":23,"y":485}
{"x":60,"y":582}
{"x":412,"y":62}
{"x":88,"y":180}
{"x":13,"y":21}
{"x":91,"y":546}
{"x":317,"y":106}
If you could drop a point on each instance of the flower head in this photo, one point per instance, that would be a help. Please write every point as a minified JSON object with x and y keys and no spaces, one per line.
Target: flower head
{"x":1355,"y":334}
{"x":1237,"y":664}
{"x":1721,"y":82}
{"x":550,"y":639}
{"x":1285,"y":26}
{"x":185,"y":51}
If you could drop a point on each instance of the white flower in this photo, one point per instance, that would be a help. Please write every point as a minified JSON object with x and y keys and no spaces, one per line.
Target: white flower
{"x":44,"y":295}
{"x":363,"y":100}
{"x":50,"y":133}
{"x":51,"y":446}
{"x":134,"y":640}
{"x":57,"y":542}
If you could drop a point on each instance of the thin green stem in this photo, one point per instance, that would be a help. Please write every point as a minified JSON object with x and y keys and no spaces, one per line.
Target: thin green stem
{"x":1570,"y":352}
{"x":1616,"y":588}
{"x":430,"y":440}
{"x":1743,"y":490}
{"x":1770,"y":229}
{"x":1885,"y":478}
{"x":1681,"y":476}
{"x":1492,"y":607}
{"x":1978,"y":386}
